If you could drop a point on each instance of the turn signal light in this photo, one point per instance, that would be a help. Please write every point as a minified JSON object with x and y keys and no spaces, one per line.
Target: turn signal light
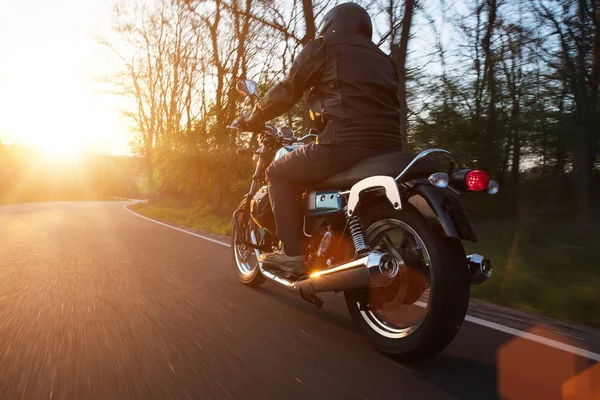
{"x":477,"y":180}
{"x":439,"y":179}
{"x":493,"y":187}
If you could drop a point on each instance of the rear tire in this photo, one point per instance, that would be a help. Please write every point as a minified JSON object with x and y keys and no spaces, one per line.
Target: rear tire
{"x":245,"y":259}
{"x":449,"y":291}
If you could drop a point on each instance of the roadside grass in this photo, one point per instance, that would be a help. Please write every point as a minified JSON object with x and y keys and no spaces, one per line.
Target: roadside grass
{"x":191,"y":217}
{"x":544,"y":261}
{"x":547,"y":266}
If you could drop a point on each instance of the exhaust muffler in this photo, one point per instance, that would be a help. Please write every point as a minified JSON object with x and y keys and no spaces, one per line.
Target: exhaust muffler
{"x":373,"y":270}
{"x":480,"y":268}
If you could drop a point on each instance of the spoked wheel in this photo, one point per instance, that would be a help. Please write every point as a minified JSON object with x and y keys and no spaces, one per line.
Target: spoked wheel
{"x":245,"y":258}
{"x":421,"y":310}
{"x":398,"y":309}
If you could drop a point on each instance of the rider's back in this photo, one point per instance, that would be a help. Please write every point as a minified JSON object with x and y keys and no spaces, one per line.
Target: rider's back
{"x":357,"y":94}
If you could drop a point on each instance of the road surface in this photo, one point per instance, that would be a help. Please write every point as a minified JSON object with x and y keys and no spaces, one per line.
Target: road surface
{"x":97,"y":303}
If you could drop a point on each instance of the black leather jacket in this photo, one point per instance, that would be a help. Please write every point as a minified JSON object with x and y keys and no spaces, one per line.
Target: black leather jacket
{"x":353,"y":92}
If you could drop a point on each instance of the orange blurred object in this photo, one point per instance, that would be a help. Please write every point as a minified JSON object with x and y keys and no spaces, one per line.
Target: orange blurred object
{"x":530,"y":370}
{"x":585,"y":386}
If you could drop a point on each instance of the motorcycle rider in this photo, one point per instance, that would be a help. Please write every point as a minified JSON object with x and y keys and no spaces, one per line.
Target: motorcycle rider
{"x":353,"y":100}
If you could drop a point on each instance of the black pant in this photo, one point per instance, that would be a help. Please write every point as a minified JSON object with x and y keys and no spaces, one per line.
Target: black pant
{"x":300,"y":169}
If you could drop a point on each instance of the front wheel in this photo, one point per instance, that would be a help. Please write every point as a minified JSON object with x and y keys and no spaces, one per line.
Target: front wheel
{"x":244,"y":258}
{"x":420,"y":312}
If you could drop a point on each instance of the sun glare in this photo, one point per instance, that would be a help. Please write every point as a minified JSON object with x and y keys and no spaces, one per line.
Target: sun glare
{"x":49,"y":78}
{"x":65,"y":146}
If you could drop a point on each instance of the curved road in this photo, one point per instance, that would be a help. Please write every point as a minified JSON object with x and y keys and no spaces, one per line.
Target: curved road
{"x":96,"y":303}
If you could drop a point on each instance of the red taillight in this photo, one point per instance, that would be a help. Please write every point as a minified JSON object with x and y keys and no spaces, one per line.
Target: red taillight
{"x":477,"y":180}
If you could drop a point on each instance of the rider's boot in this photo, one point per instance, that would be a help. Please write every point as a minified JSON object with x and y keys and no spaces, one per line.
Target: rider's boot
{"x":278,"y":259}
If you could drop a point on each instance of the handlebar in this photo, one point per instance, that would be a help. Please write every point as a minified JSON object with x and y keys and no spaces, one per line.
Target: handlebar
{"x":269,"y":129}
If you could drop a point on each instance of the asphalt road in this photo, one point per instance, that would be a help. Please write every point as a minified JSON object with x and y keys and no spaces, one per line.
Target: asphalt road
{"x":98,"y":303}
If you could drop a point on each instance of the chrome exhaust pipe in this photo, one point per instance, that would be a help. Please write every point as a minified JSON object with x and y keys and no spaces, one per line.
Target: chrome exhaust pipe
{"x":375,"y":269}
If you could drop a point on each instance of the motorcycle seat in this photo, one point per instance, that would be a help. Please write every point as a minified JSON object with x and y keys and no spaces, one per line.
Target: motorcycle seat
{"x":388,"y":164}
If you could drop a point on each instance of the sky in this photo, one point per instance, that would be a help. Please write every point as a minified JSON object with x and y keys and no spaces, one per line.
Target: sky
{"x":50,"y":77}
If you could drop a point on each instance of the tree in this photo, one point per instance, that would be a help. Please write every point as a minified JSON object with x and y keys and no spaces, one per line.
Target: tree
{"x":158,"y":50}
{"x":399,"y":53}
{"x":575,"y":25}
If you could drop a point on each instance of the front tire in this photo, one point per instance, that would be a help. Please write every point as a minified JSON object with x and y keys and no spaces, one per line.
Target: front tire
{"x":244,"y":258}
{"x":422,"y":310}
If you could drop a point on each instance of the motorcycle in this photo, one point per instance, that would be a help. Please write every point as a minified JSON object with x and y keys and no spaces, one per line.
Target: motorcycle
{"x":387,"y":233}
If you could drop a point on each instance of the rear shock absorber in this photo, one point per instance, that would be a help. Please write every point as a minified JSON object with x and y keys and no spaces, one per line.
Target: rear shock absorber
{"x":356,"y":233}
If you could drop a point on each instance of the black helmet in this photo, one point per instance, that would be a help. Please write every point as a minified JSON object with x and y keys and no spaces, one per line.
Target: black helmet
{"x":346,"y":18}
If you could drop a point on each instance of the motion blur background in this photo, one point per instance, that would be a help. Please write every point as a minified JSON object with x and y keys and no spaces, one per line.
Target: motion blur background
{"x":131,"y":99}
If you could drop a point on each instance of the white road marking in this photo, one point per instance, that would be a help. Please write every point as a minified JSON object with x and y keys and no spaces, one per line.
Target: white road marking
{"x":529,"y":336}
{"x":177,"y":229}
{"x":535,"y":338}
{"x":474,"y":320}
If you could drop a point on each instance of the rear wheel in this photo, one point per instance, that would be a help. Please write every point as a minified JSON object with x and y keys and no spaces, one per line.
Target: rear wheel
{"x":245,"y":258}
{"x":421,"y":310}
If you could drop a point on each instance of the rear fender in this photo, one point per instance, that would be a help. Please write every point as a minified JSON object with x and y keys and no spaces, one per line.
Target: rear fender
{"x":440,"y":207}
{"x":442,"y":211}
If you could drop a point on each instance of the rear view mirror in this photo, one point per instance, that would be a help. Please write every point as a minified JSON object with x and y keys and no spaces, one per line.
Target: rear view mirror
{"x":246,"y":87}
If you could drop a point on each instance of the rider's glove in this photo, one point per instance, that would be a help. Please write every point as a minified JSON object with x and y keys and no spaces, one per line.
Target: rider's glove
{"x":249,"y":122}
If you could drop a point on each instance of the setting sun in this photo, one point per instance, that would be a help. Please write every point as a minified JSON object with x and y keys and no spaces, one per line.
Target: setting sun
{"x":64,"y":146}
{"x":51,"y":71}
